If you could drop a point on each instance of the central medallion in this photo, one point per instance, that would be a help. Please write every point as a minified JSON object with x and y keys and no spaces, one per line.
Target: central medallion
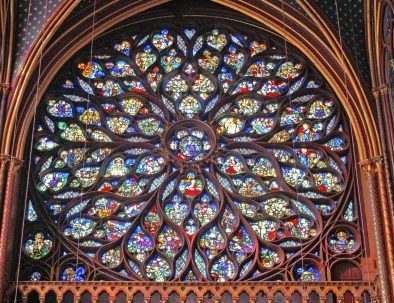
{"x":190,"y":140}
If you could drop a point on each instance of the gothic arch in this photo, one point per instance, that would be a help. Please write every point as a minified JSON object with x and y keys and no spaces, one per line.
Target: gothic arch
{"x":309,"y":40}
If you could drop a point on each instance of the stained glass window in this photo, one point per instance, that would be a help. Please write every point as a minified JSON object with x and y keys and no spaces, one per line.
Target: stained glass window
{"x":190,"y":154}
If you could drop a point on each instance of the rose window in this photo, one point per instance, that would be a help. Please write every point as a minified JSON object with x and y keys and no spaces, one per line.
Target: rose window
{"x":190,"y":154}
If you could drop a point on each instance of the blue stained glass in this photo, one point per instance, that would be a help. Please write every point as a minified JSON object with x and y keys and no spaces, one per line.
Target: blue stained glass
{"x":77,"y":208}
{"x":31,"y":213}
{"x":60,"y":108}
{"x":74,"y":275}
{"x":205,"y":210}
{"x":120,"y":69}
{"x":308,"y":273}
{"x":171,"y":61}
{"x":181,"y":262}
{"x":182,"y":45}
{"x":248,"y":138}
{"x":349,"y":212}
{"x":237,"y":40}
{"x":200,"y":264}
{"x":212,"y":242}
{"x":176,"y":211}
{"x":245,"y":268}
{"x":85,"y":86}
{"x":35,"y":276}
{"x":80,"y":227}
{"x":212,"y":189}
{"x":224,"y":182}
{"x":223,"y":269}
{"x":135,"y":268}
{"x":123,"y":46}
{"x":139,"y":244}
{"x":190,"y":277}
{"x":342,"y":241}
{"x":217,"y":40}
{"x":91,"y":69}
{"x":68,"y":84}
{"x":168,"y":189}
{"x":133,"y":209}
{"x":111,"y":257}
{"x":241,"y":244}
{"x":158,"y":269}
{"x":168,"y":241}
{"x":157,"y":182}
{"x":190,"y":32}
{"x":198,"y":44}
{"x":115,"y":229}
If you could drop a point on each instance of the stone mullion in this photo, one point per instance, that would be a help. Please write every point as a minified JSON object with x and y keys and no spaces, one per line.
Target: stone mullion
{"x":371,"y":177}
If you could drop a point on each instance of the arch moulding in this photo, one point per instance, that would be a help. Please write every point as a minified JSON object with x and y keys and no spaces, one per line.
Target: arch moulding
{"x":313,"y":37}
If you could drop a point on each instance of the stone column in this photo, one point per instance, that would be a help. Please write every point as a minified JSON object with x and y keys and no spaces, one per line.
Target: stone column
{"x":4,"y":159}
{"x":7,"y":225}
{"x":387,"y":218}
{"x":385,"y":179}
{"x":370,"y":172}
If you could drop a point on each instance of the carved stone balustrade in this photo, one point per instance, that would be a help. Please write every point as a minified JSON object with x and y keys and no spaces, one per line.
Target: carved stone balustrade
{"x":175,"y":292}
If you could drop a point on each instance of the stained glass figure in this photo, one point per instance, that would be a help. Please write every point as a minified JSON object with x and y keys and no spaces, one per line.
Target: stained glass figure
{"x":38,"y":246}
{"x":71,"y":274}
{"x":342,"y":242}
{"x":307,"y":273}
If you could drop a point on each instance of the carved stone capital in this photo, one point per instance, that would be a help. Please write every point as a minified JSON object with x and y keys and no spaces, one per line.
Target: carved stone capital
{"x":369,"y":166}
{"x":380,"y":90}
{"x":5,"y":88}
{"x":375,"y":92}
{"x":391,"y":64}
{"x":4,"y":159}
{"x":384,"y":89}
